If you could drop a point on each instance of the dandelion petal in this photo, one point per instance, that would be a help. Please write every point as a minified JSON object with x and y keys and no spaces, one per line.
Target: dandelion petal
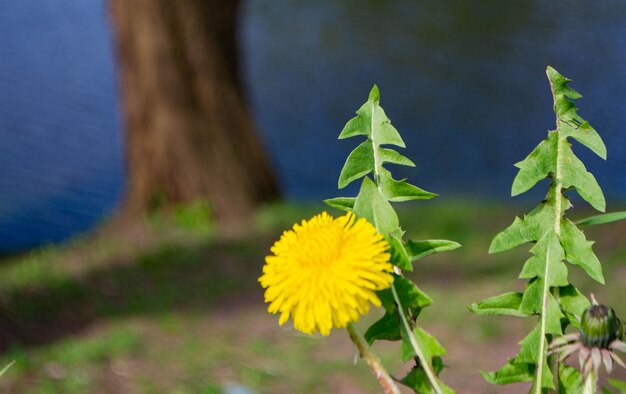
{"x":325,"y":272}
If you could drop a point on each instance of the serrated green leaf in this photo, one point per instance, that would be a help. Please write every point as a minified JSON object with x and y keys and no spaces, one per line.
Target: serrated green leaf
{"x":372,"y":206}
{"x":602,"y":218}
{"x":406,"y":349}
{"x":438,"y":365}
{"x":383,"y":132}
{"x":560,"y":84}
{"x":578,"y":250}
{"x":586,"y":135}
{"x":386,"y":328}
{"x":372,"y":203}
{"x":411,"y":297}
{"x":371,"y":121}
{"x":522,"y":231}
{"x":504,"y":304}
{"x":445,"y":388}
{"x":570,"y":381}
{"x":510,"y":373}
{"x":420,"y":249}
{"x":399,"y":191}
{"x":359,"y":125}
{"x":574,"y":173}
{"x":392,"y":157}
{"x":543,"y":161}
{"x":518,"y":233}
{"x":555,"y":151}
{"x":399,"y":255}
{"x":547,"y":379}
{"x":529,"y":354}
{"x":536,"y":166}
{"x":358,"y":164}
{"x":341,"y":203}
{"x":533,"y":300}
{"x":573,"y":304}
{"x":387,"y":301}
{"x":374,"y":95}
{"x":536,"y":265}
{"x":557,"y":240}
{"x":362,"y":123}
{"x":529,"y":347}
{"x":532,"y":227}
{"x":570,"y":124}
{"x":546,"y":374}
{"x":563,"y":107}
{"x":428,"y":343}
{"x":417,"y":380}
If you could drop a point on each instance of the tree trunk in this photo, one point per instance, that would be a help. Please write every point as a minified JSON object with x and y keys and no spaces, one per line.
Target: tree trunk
{"x":189,"y":134}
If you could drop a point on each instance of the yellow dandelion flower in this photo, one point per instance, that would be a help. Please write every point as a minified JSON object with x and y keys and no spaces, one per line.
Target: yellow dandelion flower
{"x":325,"y":272}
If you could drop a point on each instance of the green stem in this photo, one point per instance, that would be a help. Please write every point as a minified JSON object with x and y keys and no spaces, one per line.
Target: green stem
{"x":558,"y":191}
{"x":385,"y":380}
{"x":377,"y":164}
{"x":590,"y":383}
{"x":426,"y":364}
{"x":557,"y":219}
{"x":542,"y":328}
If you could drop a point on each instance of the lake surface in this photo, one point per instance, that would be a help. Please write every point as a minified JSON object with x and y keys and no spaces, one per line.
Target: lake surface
{"x":463,"y":81}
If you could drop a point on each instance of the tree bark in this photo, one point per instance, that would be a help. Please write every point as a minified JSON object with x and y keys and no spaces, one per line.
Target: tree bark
{"x":189,"y":134}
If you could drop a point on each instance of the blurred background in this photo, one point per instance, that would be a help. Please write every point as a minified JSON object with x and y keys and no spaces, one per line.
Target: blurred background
{"x":153,"y":151}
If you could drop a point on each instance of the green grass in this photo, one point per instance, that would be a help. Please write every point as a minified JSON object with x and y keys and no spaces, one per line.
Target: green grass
{"x":70,"y":365}
{"x":183,"y":313}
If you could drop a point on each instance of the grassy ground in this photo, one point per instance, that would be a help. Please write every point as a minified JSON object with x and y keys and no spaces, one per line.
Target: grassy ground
{"x":179,"y":311}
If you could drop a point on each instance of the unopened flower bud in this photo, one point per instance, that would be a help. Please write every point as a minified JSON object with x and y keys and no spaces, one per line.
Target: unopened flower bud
{"x":600,"y":326}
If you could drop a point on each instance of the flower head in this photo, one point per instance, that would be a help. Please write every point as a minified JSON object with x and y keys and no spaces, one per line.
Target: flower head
{"x":325,"y":272}
{"x":600,"y":335}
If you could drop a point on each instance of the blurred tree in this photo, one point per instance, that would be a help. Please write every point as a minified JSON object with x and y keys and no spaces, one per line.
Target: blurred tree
{"x":189,"y":134}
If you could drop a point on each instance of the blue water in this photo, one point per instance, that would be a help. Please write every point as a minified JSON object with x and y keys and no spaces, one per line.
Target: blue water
{"x":463,"y":81}
{"x":60,"y":152}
